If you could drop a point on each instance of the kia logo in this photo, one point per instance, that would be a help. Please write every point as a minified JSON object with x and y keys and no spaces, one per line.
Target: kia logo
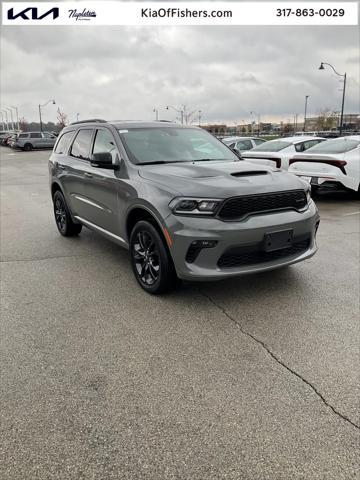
{"x":31,"y":13}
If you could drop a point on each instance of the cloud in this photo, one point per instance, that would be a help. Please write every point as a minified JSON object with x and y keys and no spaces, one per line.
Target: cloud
{"x":126,"y":72}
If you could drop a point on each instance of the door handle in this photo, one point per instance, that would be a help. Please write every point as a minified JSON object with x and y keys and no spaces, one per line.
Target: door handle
{"x":88,"y":175}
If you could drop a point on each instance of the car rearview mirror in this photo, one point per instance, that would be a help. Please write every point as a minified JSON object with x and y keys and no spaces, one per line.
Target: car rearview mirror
{"x":103,"y":160}
{"x":237,"y":152}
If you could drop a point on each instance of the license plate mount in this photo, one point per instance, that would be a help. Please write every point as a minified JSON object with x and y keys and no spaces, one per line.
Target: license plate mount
{"x":278,"y":240}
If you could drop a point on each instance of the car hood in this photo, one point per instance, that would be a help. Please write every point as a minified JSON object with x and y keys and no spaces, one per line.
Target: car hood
{"x":219,"y":179}
{"x":252,"y":154}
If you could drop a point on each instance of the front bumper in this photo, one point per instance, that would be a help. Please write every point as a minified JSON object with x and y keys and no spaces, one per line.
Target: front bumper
{"x":229,"y":235}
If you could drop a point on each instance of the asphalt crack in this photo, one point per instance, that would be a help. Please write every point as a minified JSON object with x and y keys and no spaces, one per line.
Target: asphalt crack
{"x":279,"y":361}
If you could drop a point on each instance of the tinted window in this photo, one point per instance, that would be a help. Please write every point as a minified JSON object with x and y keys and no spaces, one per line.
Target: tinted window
{"x":23,"y":135}
{"x":244,"y":145}
{"x":259,"y":141}
{"x":35,"y":135}
{"x":63,"y":144}
{"x":172,"y":144}
{"x":301,"y":147}
{"x":81,"y":146}
{"x":104,"y":142}
{"x":338,"y":145}
{"x":272,"y":146}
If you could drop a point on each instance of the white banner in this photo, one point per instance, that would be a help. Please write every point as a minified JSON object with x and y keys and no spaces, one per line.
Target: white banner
{"x":179,"y":13}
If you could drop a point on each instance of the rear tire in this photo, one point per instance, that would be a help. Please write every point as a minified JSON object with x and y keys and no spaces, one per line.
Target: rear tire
{"x":64,"y":223}
{"x":150,"y":259}
{"x":28,"y":147}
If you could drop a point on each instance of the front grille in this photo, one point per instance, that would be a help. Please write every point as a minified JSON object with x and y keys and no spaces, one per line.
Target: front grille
{"x":239,"y":207}
{"x":242,"y":256}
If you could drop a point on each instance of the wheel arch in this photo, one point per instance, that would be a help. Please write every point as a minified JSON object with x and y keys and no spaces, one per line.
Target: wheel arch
{"x":55,"y":187}
{"x":138,"y":213}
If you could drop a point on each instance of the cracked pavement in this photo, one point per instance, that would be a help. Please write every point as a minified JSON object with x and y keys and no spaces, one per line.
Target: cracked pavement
{"x":254,"y":378}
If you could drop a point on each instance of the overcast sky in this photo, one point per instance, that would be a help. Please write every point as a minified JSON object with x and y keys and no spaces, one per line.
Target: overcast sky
{"x":124,"y":72}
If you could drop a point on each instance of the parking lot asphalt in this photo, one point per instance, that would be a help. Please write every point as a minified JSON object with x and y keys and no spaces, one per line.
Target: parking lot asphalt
{"x":253,"y":378}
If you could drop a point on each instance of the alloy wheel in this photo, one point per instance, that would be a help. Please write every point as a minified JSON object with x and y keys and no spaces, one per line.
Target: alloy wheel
{"x":60,"y":214}
{"x":146,"y":258}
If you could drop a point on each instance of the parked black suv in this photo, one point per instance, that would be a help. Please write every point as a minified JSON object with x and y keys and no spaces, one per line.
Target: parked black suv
{"x":183,"y":202}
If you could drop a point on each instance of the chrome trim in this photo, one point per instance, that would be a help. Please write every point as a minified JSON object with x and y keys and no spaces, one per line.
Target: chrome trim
{"x":102,"y":230}
{"x":85,"y":200}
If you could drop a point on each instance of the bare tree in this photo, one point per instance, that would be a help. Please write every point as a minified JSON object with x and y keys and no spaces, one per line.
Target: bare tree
{"x":326,"y":120}
{"x":62,"y":118}
{"x":23,"y":124}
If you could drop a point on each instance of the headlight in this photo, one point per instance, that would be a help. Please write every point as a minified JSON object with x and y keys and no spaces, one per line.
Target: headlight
{"x":194,"y":206}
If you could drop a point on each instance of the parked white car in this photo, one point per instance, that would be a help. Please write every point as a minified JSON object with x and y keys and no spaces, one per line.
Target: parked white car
{"x":335,"y":162}
{"x":242,"y":144}
{"x":277,"y":153}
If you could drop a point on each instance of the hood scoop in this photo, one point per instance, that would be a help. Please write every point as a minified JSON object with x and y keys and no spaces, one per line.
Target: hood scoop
{"x":249,"y":173}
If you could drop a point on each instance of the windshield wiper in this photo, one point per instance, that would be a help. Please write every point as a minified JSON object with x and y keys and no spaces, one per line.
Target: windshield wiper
{"x":160,"y":162}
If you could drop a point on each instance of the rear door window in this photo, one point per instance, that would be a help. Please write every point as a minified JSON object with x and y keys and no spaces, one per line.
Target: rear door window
{"x":81,"y":146}
{"x":62,"y":146}
{"x":35,"y":135}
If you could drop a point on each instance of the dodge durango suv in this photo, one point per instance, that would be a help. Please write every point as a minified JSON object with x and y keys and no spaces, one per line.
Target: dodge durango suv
{"x":183,"y":203}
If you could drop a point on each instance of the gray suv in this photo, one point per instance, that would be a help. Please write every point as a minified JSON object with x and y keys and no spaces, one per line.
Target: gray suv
{"x":29,"y":140}
{"x":183,"y":203}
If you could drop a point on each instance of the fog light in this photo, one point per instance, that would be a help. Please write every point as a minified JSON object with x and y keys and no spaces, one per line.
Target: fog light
{"x":195,"y":248}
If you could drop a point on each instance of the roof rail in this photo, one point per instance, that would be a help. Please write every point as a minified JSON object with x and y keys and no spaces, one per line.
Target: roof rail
{"x":91,"y":120}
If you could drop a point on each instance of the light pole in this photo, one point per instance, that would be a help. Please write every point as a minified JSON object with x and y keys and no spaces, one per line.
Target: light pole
{"x":181,"y":111}
{"x":2,"y":119}
{"x":17,"y":116}
{"x":6,"y":118}
{"x":11,"y":117}
{"x":156,"y":111}
{"x":40,"y":107}
{"x":306,"y":102}
{"x":343,"y":94}
{"x":258,"y":115}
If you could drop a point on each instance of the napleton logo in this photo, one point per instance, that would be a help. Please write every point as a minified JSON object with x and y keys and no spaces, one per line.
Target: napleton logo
{"x":83,"y":15}
{"x":31,"y":13}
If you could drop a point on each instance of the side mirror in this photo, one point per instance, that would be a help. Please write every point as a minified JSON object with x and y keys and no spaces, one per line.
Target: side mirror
{"x":237,"y":152}
{"x":103,"y":160}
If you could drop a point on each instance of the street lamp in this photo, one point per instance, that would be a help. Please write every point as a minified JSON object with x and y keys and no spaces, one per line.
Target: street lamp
{"x":2,"y":120}
{"x":181,"y":111}
{"x":40,"y":107}
{"x":6,"y":118}
{"x":306,"y":102}
{"x":11,"y":117}
{"x":343,"y":95}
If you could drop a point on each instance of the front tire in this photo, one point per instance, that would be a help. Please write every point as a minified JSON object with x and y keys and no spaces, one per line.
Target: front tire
{"x":28,"y":147}
{"x":63,"y":220}
{"x":150,"y":259}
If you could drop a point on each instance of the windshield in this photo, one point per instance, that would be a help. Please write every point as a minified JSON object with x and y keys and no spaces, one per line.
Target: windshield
{"x":272,"y":146}
{"x":172,"y":144}
{"x":338,"y":145}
